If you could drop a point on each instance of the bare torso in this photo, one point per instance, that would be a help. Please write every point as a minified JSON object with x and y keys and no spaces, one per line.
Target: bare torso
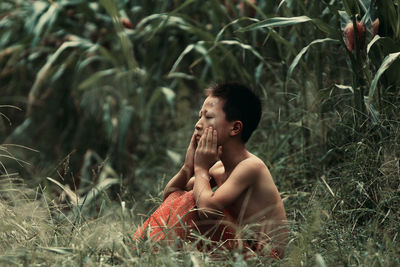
{"x":259,"y":206}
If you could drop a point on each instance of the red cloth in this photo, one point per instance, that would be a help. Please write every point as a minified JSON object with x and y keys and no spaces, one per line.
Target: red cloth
{"x":177,"y":217}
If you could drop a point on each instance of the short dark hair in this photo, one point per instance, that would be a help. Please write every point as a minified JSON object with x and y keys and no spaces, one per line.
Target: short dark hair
{"x":240,"y":103}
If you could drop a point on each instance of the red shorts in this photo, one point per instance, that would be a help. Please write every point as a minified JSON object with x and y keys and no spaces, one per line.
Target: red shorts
{"x":177,"y":217}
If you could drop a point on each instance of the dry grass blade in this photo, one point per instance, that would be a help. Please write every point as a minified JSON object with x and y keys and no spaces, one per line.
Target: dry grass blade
{"x":97,"y":189}
{"x":327,"y":186}
{"x":74,"y":198}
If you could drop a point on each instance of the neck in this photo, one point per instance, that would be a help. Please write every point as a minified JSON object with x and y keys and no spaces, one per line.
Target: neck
{"x":232,"y":154}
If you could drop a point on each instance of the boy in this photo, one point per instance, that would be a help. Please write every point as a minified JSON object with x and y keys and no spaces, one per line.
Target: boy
{"x":217,"y":156}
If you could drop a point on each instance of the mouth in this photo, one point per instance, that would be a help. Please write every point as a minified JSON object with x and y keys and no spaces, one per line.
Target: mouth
{"x":197,"y":138}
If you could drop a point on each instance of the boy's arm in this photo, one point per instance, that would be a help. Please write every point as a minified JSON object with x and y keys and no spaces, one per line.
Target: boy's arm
{"x":181,"y":181}
{"x":213,"y":203}
{"x":241,"y":177}
{"x":178,"y":182}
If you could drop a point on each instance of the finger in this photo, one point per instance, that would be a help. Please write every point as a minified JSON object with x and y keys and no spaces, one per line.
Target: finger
{"x":193,"y":141}
{"x":202,"y":141}
{"x":209,"y":137}
{"x":214,"y":139}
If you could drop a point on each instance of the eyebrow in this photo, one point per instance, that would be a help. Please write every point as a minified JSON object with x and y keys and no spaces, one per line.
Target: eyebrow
{"x":205,"y":111}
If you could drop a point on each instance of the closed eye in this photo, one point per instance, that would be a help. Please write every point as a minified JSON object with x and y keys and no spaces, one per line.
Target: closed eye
{"x":207,"y":117}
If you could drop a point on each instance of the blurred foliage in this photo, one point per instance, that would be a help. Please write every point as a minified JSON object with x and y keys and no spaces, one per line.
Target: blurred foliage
{"x":98,"y":100}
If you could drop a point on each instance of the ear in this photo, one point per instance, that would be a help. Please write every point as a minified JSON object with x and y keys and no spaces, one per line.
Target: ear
{"x":237,"y":127}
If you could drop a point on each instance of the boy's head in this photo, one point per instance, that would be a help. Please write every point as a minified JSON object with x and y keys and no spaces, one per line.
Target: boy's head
{"x":239,"y":104}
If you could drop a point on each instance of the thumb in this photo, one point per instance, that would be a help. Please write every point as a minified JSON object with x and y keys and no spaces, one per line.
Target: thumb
{"x":193,"y":140}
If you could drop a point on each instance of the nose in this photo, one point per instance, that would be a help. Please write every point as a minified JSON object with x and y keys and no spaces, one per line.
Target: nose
{"x":198,"y":126}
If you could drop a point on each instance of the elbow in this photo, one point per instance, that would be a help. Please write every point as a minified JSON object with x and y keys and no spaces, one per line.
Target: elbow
{"x":166,"y":194}
{"x":168,"y":191}
{"x":209,"y":210}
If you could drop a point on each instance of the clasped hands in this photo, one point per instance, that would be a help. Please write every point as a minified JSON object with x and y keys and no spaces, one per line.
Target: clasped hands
{"x":205,"y":154}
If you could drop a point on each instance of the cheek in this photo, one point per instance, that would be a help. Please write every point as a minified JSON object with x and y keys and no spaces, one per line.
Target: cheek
{"x":212,"y":122}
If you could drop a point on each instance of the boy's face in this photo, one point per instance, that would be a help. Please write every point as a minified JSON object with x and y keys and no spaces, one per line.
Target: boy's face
{"x":212,"y":115}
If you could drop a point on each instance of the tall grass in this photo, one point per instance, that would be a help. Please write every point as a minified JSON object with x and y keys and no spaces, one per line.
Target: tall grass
{"x":107,"y":94}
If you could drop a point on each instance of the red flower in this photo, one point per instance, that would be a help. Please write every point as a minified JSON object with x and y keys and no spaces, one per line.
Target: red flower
{"x":349,"y":35}
{"x":375,"y":27}
{"x":245,"y":8}
{"x":126,"y":23}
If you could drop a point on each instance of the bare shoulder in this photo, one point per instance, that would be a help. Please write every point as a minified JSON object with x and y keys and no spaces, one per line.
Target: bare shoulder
{"x":253,"y":165}
{"x":257,"y":174}
{"x":249,"y":170}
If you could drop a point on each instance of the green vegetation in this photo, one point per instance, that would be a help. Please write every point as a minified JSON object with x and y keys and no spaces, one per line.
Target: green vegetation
{"x":98,"y":100}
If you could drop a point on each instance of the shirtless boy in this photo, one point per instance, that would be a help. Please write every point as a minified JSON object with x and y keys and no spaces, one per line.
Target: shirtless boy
{"x":217,"y":154}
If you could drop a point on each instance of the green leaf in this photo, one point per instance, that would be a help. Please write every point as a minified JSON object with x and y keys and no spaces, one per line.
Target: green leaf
{"x":169,"y":94}
{"x":96,"y":77}
{"x":365,"y":5}
{"x":389,"y":14}
{"x":319,"y":260}
{"x":288,"y":21}
{"x":280,"y":40}
{"x":345,"y":87}
{"x":197,"y":46}
{"x":107,"y":178}
{"x":47,"y":19}
{"x":59,"y":250}
{"x":387,"y":44}
{"x":180,"y":75}
{"x":243,"y":46}
{"x":373,"y":41}
{"x":374,"y":114}
{"x":154,"y":22}
{"x":36,"y":9}
{"x":276,"y":22}
{"x":303,"y":51}
{"x":127,"y":47}
{"x":74,"y":198}
{"x":44,"y":72}
{"x":324,"y":27}
{"x":387,"y":62}
{"x":236,"y":21}
{"x":174,"y":156}
{"x":351,"y":7}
